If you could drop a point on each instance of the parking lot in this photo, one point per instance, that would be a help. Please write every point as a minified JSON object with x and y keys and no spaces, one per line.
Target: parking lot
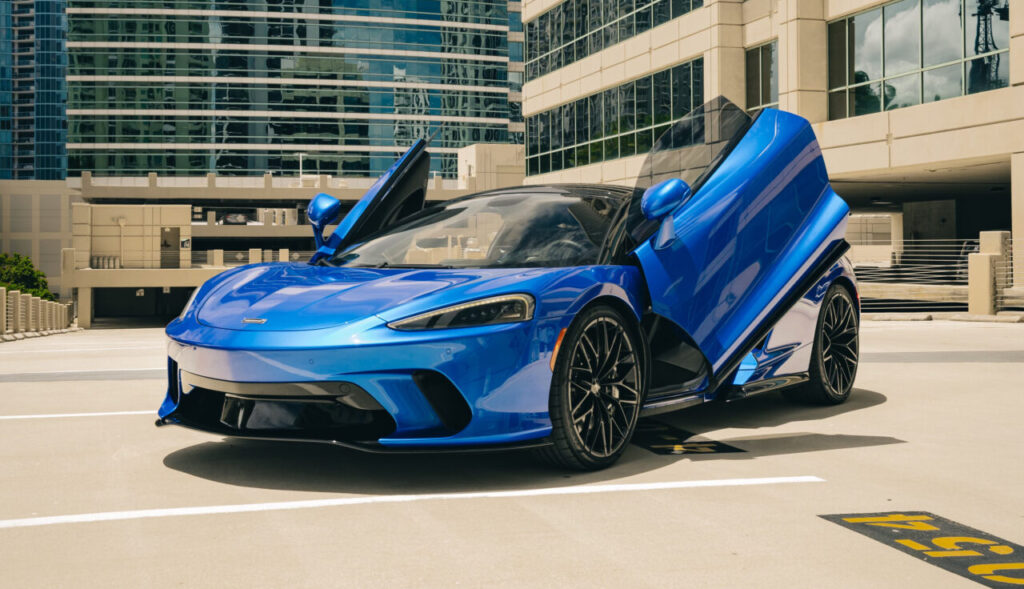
{"x":92,"y":494}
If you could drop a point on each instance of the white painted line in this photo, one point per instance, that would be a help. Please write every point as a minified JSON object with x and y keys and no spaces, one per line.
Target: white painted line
{"x":56,"y":350}
{"x":55,"y":415}
{"x":50,"y":373}
{"x":318,"y":503}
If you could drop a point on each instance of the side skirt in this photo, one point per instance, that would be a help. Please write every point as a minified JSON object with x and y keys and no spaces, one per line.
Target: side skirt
{"x":767,"y":385}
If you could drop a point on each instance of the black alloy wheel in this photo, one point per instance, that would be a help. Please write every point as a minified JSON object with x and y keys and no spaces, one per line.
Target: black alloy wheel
{"x":597,"y":390}
{"x":836,"y":351}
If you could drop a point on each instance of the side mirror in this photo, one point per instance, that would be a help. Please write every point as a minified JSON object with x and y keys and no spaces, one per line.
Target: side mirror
{"x":322,"y":211}
{"x":663,"y":198}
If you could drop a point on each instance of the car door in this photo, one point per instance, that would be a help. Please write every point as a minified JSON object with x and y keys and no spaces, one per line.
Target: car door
{"x":761,"y":226}
{"x":397,"y":194}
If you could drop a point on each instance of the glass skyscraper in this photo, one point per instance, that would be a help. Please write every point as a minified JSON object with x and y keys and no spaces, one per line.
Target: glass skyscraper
{"x":32,"y":90}
{"x":184,"y":87}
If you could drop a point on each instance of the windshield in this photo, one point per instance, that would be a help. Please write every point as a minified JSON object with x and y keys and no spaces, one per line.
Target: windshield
{"x":691,"y":149}
{"x":521,"y":228}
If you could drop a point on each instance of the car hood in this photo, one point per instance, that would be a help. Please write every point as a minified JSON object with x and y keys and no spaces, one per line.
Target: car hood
{"x":289,"y":297}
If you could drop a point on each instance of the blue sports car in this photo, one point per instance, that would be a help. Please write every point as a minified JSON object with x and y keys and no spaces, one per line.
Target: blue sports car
{"x":549,"y":316}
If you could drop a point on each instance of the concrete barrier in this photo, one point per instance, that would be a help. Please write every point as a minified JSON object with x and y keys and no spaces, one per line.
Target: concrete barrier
{"x":14,"y":311}
{"x":24,"y":315}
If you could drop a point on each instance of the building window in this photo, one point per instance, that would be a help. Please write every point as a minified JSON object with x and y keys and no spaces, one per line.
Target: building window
{"x":575,"y":29}
{"x":913,"y":51}
{"x":763,"y":77}
{"x":515,"y":51}
{"x":515,"y":22}
{"x":618,"y":122}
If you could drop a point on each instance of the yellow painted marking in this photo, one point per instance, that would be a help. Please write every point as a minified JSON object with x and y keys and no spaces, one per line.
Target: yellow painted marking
{"x":912,"y":545}
{"x":986,"y":570}
{"x":695,"y":447}
{"x":916,"y":522}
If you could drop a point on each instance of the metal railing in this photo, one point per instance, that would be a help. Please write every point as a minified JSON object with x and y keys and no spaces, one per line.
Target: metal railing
{"x":233,"y":258}
{"x":916,"y":275}
{"x":1010,"y":294}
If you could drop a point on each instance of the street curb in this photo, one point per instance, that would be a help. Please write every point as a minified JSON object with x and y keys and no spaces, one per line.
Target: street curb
{"x":988,"y":318}
{"x":896,"y":316}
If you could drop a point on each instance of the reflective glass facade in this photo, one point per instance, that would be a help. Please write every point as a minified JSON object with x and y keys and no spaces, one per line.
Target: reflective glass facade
{"x":763,"y":76}
{"x":618,"y":122}
{"x":575,"y":29}
{"x":516,"y":70}
{"x":184,"y":87}
{"x":32,"y":90}
{"x":913,"y":51}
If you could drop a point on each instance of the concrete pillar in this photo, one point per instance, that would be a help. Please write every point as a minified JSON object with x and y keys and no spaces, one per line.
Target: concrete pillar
{"x":26,"y":312}
{"x":997,"y":244}
{"x":218,"y":258}
{"x":981,"y":284}
{"x":725,"y":59}
{"x":14,"y":304}
{"x":1016,"y":44}
{"x":283,"y":254}
{"x":84,"y":307}
{"x":33,"y":313}
{"x":803,"y":63}
{"x":3,"y":311}
{"x":45,"y":322}
{"x":1017,"y":208}
{"x":255,"y":255}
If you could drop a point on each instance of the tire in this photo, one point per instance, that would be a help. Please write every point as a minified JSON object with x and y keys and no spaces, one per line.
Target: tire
{"x":835,"y":354}
{"x":593,"y":419}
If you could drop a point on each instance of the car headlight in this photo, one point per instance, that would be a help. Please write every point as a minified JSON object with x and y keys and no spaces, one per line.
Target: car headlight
{"x":490,"y":311}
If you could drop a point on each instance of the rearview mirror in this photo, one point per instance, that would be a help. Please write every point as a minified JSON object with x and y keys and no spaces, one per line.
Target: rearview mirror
{"x":322,"y":211}
{"x":664,"y":197}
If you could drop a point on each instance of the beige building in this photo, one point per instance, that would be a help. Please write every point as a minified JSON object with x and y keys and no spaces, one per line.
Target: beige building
{"x":918,"y":104}
{"x":35,"y":221}
{"x":137,"y":246}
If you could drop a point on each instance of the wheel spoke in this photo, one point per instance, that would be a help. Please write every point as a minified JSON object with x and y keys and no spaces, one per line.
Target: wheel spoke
{"x":604,"y":388}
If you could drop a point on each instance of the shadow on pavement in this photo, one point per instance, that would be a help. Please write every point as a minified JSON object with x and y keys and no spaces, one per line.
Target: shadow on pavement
{"x":325,"y":468}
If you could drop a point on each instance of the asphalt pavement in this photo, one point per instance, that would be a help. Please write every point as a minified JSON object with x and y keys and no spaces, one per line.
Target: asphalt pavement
{"x":93,"y":495}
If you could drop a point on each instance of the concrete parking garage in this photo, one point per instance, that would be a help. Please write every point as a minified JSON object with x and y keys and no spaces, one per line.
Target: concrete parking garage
{"x":92,"y":494}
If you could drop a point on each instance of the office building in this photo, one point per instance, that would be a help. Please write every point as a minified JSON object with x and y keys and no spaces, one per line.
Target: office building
{"x":246,"y":87}
{"x":918,"y":104}
{"x":33,"y":62}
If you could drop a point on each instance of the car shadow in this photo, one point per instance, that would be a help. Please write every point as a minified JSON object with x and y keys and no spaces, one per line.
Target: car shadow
{"x":325,"y":468}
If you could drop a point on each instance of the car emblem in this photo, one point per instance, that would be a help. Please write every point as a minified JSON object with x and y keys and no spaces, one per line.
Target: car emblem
{"x":255,"y":320}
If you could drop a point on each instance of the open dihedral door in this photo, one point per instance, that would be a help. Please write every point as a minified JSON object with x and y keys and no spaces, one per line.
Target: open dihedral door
{"x":762,"y":226}
{"x":398,"y":193}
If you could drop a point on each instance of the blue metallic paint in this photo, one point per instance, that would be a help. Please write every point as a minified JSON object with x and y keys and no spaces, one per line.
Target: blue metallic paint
{"x":322,"y":211}
{"x":755,"y":229}
{"x":508,"y":394}
{"x":376,"y":192}
{"x":722,"y":261}
{"x":664,"y":197}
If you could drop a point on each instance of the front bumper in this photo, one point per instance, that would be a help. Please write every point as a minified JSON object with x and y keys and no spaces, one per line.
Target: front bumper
{"x":459,"y":388}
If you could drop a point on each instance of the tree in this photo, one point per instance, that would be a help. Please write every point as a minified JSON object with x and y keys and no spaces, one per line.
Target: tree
{"x":18,"y":273}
